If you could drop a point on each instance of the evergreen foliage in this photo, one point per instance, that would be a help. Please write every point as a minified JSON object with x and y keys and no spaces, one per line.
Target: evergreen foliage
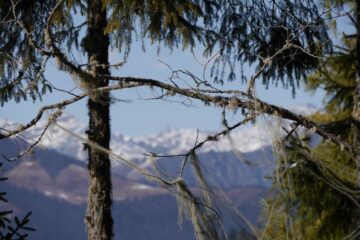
{"x":254,"y":31}
{"x":171,"y":23}
{"x":249,"y":32}
{"x":18,"y":228}
{"x":282,"y":38}
{"x":316,"y":195}
{"x":32,"y":32}
{"x":20,"y":63}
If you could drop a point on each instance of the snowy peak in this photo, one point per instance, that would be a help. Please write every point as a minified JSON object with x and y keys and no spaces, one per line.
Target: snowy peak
{"x":171,"y":141}
{"x":305,"y":110}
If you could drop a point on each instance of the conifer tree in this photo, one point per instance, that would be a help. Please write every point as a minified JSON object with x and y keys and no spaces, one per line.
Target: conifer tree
{"x":281,"y":37}
{"x":32,"y":32}
{"x":317,"y":197}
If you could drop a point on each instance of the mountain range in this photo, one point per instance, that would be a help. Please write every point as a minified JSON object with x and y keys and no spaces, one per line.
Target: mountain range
{"x":54,"y":187}
{"x":52,"y":182}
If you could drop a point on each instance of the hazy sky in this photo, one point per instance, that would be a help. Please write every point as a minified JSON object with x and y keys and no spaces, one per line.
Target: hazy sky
{"x":151,"y":116}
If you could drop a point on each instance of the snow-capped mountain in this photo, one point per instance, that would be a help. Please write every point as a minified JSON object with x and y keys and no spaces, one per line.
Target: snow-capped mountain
{"x":252,"y":141}
{"x":53,"y":184}
{"x":306,"y":109}
{"x":169,"y":141}
{"x":55,"y":188}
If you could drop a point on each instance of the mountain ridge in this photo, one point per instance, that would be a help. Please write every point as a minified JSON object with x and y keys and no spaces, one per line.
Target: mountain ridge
{"x":52,"y":181}
{"x":170,"y":141}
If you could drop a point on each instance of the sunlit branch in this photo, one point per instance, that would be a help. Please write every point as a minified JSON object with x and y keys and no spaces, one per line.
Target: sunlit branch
{"x":234,"y":102}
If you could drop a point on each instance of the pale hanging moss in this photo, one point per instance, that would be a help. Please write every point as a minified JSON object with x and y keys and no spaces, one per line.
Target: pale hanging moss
{"x":200,"y":211}
{"x":205,"y":220}
{"x":200,"y":179}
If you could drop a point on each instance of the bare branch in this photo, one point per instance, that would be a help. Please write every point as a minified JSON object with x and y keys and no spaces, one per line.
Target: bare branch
{"x":255,"y":104}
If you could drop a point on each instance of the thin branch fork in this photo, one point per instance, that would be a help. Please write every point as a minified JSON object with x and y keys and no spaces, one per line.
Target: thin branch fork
{"x":59,"y":105}
{"x":215,"y":137}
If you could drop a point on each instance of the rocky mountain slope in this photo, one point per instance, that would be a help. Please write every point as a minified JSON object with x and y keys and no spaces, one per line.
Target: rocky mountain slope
{"x":52,"y":182}
{"x":54,"y":187}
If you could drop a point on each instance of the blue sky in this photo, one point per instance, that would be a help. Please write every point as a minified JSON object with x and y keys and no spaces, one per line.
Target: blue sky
{"x":151,"y":116}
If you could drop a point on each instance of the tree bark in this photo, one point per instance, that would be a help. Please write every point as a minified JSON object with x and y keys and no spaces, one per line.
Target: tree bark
{"x":96,"y":44}
{"x":356,"y":109}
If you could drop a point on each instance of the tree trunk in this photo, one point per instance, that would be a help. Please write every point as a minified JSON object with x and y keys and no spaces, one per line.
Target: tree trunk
{"x":96,"y":43}
{"x":356,"y":110}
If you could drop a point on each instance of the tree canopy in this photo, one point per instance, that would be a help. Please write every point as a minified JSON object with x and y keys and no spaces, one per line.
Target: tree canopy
{"x":285,"y":40}
{"x":316,"y":185}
